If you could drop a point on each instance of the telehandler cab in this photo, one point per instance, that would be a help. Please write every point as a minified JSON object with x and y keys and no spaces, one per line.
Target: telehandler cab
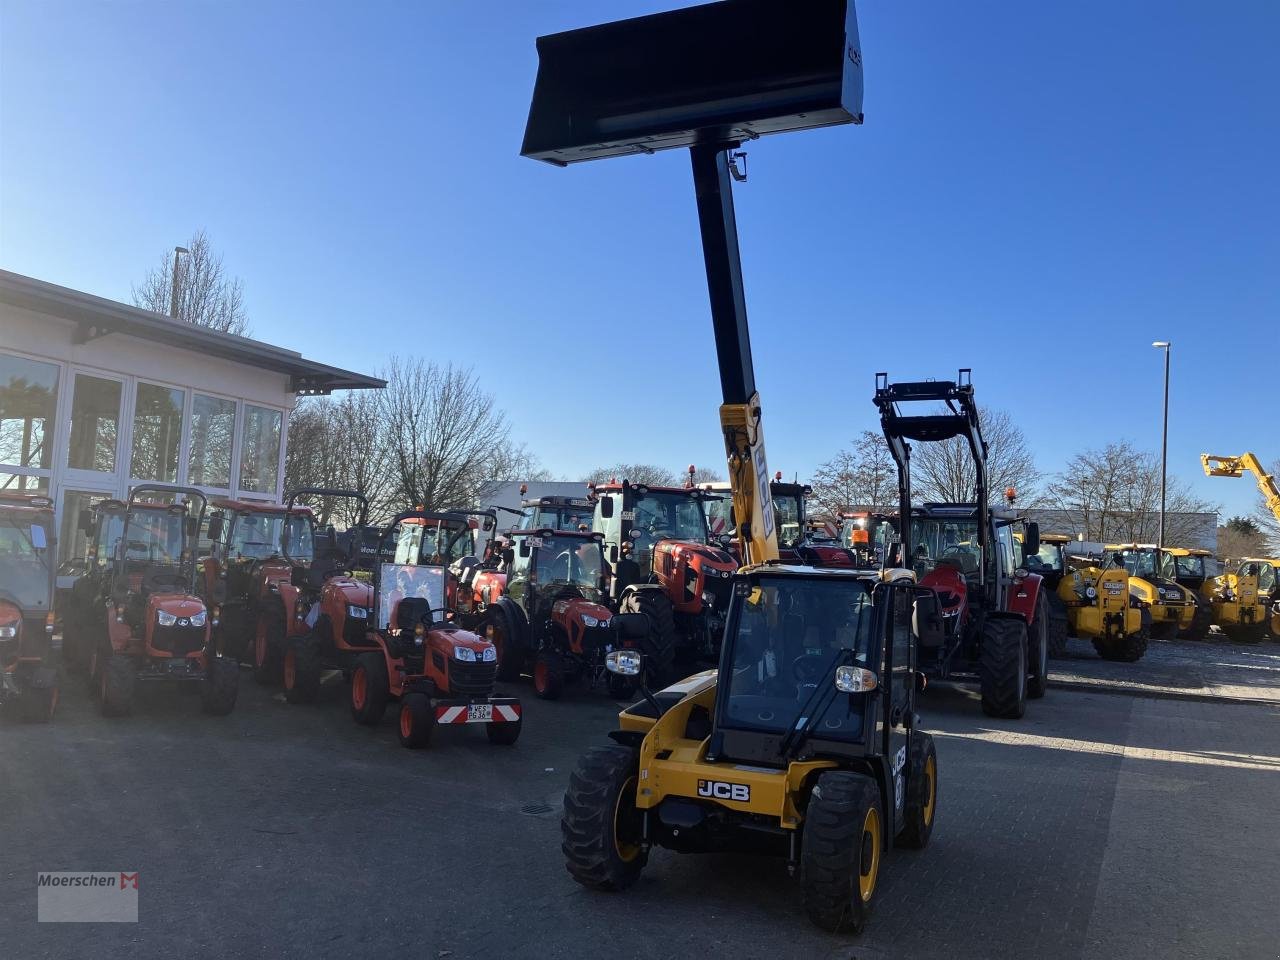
{"x":995,"y":610}
{"x":28,"y":677}
{"x":1191,"y":568}
{"x":142,"y":617}
{"x":439,"y":673}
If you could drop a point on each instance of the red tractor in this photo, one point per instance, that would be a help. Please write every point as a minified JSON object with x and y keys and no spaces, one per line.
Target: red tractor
{"x":995,"y":614}
{"x":248,"y":581}
{"x":139,"y":613}
{"x":664,"y":565}
{"x":796,"y":541}
{"x":545,"y":606}
{"x":28,"y":679}
{"x":440,"y":673}
{"x":555,"y":513}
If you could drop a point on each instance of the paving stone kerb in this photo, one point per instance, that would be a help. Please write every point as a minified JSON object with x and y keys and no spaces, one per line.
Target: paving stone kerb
{"x":1213,"y":670}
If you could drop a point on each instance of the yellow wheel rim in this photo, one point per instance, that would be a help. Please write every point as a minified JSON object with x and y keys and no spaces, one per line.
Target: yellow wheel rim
{"x":869,"y":868}
{"x":931,"y":788}
{"x":623,"y":809}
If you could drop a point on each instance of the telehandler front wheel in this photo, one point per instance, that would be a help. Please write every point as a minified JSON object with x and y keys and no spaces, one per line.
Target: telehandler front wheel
{"x":840,"y":849}
{"x":922,"y":793}
{"x":601,"y":827}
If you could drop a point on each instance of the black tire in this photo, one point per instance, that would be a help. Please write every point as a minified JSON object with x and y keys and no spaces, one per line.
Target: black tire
{"x":1002,"y":664}
{"x":1250,"y":632}
{"x":548,"y":674}
{"x":1164,"y":631}
{"x":1038,"y":650}
{"x":417,"y":722}
{"x":218,"y":691}
{"x":840,"y":851}
{"x":370,"y":689}
{"x":620,"y":688}
{"x":1127,"y":649}
{"x":499,"y":628}
{"x":921,"y":806}
{"x":503,"y":734}
{"x":116,"y":676}
{"x":598,"y":806}
{"x":302,"y":670}
{"x":1058,"y":627}
{"x":268,"y":649}
{"x":1200,"y":622}
{"x":659,"y":645}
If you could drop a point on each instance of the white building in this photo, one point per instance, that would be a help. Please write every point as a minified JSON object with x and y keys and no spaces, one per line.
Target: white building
{"x":97,"y":396}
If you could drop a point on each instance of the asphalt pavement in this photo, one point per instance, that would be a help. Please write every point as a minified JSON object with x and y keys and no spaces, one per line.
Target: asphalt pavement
{"x":1097,"y":826}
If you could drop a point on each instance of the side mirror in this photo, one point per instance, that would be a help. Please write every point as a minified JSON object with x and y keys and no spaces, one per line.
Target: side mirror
{"x":192,"y":527}
{"x":524,"y":546}
{"x":926,"y":620}
{"x":85,"y":522}
{"x":606,"y":507}
{"x":1031,"y":539}
{"x":298,"y":577}
{"x":215,"y":529}
{"x":508,"y":556}
{"x":855,"y":680}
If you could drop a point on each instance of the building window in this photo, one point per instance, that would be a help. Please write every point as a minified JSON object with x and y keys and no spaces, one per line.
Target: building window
{"x":23,"y":483}
{"x":28,"y":405}
{"x":260,"y":450}
{"x":95,"y":424}
{"x":213,"y":426}
{"x":73,"y":545}
{"x":157,"y":433}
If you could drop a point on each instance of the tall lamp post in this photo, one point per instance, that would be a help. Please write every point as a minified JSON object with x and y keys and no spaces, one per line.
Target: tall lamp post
{"x":1164,"y":436}
{"x":173,"y":289}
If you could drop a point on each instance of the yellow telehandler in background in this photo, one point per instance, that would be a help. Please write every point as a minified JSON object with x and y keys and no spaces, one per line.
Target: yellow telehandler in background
{"x":1239,"y":606}
{"x":1193,"y":569}
{"x":1102,"y":608}
{"x":1153,"y":582}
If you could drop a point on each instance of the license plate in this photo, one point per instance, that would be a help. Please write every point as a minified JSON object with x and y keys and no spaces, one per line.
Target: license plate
{"x":479,"y":713}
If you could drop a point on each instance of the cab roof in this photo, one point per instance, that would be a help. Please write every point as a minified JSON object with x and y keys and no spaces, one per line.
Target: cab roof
{"x":548,"y":532}
{"x":26,"y":502}
{"x":252,"y":506}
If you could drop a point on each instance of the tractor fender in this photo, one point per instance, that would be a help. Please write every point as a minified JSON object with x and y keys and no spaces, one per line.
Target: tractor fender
{"x":638,"y":587}
{"x":514,"y":611}
{"x":1022,"y":596}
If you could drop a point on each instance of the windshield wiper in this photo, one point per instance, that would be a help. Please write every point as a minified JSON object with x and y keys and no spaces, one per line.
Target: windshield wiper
{"x":796,"y":737}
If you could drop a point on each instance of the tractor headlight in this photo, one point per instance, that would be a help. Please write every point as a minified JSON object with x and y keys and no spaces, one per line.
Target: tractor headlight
{"x":590,"y":621}
{"x":199,"y":619}
{"x":357,"y":613}
{"x":9,"y":631}
{"x":165,"y":618}
{"x":490,"y":655}
{"x":465,"y":654}
{"x":709,"y":598}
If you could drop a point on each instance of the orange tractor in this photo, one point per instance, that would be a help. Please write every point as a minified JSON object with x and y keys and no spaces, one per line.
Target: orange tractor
{"x":664,"y":564}
{"x":28,"y":680}
{"x":138,"y":612}
{"x":545,"y":606}
{"x":441,"y":674}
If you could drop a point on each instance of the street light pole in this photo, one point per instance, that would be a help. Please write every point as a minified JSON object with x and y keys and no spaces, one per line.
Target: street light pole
{"x":1164,"y":438}
{"x":173,"y":289}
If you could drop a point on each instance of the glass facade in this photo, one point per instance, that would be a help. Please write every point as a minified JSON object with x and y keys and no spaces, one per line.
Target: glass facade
{"x":95,"y":424}
{"x":260,"y":449}
{"x":157,"y":432}
{"x":213,"y":430}
{"x":28,"y":405}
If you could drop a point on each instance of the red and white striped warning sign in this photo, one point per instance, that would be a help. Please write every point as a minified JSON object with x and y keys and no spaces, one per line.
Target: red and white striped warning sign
{"x":479,"y":713}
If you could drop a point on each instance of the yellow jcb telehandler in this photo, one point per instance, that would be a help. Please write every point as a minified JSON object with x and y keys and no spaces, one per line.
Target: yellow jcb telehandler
{"x":1192,"y":569}
{"x":1102,"y":608}
{"x":1239,"y":605}
{"x":1153,"y":583}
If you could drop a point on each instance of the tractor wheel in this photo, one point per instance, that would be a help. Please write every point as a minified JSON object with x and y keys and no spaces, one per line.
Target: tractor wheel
{"x":601,"y":827}
{"x":116,"y":676}
{"x":370,"y":689}
{"x":1038,"y":650}
{"x":497,"y":628}
{"x":922,"y":793}
{"x":1058,"y":627}
{"x":301,"y":670}
{"x":1002,"y":664}
{"x":417,"y":721}
{"x":219,"y":689}
{"x":548,"y":674}
{"x":1200,"y":622}
{"x":620,"y":688}
{"x":1130,"y":649}
{"x":268,"y":649}
{"x":659,"y":646}
{"x":39,"y":704}
{"x":503,"y":734}
{"x":840,"y":849}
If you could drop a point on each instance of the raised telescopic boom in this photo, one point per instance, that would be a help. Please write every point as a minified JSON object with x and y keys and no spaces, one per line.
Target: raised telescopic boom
{"x":1215,"y":466}
{"x":709,"y":78}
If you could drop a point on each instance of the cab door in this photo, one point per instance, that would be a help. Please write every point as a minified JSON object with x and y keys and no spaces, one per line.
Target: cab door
{"x":899,"y":686}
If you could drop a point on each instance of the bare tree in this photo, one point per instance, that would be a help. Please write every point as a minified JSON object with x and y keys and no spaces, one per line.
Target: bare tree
{"x":207,"y":297}
{"x":1115,"y":493}
{"x":703,"y":475}
{"x":944,"y":471}
{"x":646,"y":473}
{"x":863,"y":475}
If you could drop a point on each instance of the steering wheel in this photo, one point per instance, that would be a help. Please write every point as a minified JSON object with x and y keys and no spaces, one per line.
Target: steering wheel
{"x":567,"y":559}
{"x":808,"y":668}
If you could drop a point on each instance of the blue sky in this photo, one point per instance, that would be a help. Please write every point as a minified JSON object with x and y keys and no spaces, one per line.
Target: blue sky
{"x":1038,"y":192}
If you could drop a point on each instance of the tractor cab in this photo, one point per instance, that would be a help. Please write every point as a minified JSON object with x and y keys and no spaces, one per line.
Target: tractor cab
{"x":1050,"y":561}
{"x":1153,"y":582}
{"x":27,"y":575}
{"x":797,"y":541}
{"x":556,"y":513}
{"x":869,"y":536}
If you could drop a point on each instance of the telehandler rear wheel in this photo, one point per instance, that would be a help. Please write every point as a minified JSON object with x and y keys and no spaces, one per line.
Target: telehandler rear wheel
{"x":1002,"y":665}
{"x":601,"y":827}
{"x":1200,"y":622}
{"x":1165,"y":630}
{"x":840,"y":848}
{"x":922,"y":793}
{"x":1059,"y":627}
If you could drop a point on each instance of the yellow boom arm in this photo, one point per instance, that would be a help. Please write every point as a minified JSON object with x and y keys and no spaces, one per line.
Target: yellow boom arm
{"x":1215,"y":466}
